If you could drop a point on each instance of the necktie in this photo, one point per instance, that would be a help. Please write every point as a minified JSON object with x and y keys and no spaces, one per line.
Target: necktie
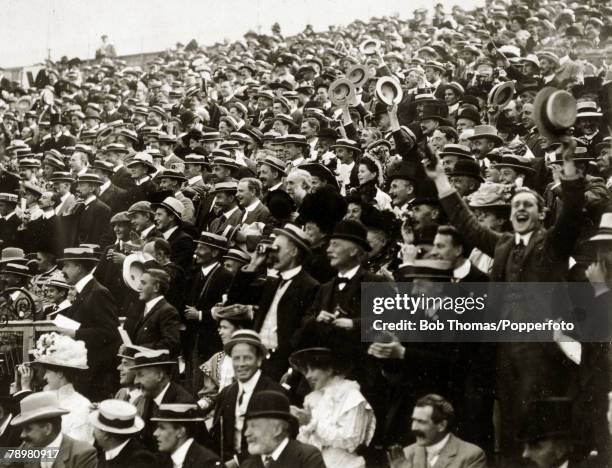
{"x":341,"y":282}
{"x":267,"y":463}
{"x":240,"y":398}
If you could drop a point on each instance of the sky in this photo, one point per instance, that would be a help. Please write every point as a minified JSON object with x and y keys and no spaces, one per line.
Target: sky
{"x":34,"y":29}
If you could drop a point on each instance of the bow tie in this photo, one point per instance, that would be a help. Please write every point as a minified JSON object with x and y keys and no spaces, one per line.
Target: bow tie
{"x":341,"y":280}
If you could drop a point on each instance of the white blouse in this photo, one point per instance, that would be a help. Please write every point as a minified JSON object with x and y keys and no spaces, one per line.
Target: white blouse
{"x":342,"y":420}
{"x":74,"y":424}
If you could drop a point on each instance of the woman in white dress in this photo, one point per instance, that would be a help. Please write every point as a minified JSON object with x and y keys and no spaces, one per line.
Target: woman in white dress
{"x":336,"y":417}
{"x":62,"y":358}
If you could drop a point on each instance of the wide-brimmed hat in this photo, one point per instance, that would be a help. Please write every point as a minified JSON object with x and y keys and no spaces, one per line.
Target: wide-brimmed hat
{"x":587,"y":109}
{"x":428,"y":269}
{"x":234,"y":312}
{"x":389,"y":90}
{"x":116,"y":417}
{"x":358,"y":75}
{"x":152,"y":358}
{"x":295,"y":234}
{"x":341,"y":92}
{"x":174,"y":206}
{"x":467,"y":168}
{"x":78,"y":254}
{"x":13,"y":255}
{"x":245,"y":336}
{"x":37,"y":406}
{"x":322,"y":172}
{"x":269,"y":404}
{"x":486,"y":131}
{"x":547,"y":419}
{"x":369,"y":46}
{"x":501,"y":94}
{"x":352,"y":231}
{"x":178,"y":413}
{"x":491,"y":195}
{"x":57,"y":350}
{"x":142,"y":158}
{"x":604,"y":232}
{"x":554,"y":111}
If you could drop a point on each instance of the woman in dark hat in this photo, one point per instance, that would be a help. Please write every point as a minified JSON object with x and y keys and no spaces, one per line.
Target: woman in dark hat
{"x":383,"y":234}
{"x":370,"y":177}
{"x":336,"y":418}
{"x":218,"y":371}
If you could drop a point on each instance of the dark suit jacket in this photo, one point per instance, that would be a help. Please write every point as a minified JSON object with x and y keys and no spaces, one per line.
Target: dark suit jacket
{"x":296,"y":455}
{"x":116,"y":198}
{"x":159,"y":329}
{"x":204,"y":294}
{"x":133,"y":455}
{"x":122,"y":179}
{"x":261,"y":214}
{"x":181,"y":248}
{"x":140,"y":192}
{"x":290,"y":311}
{"x":218,"y":224}
{"x":72,"y":454}
{"x":455,"y":454}
{"x":92,"y":223}
{"x":225,"y":407}
{"x":8,"y":231}
{"x":197,"y":457}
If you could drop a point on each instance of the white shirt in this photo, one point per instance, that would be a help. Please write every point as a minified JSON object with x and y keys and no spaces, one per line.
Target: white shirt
{"x":269,"y":327}
{"x":150,"y":304}
{"x":89,"y":199}
{"x":227,"y":214}
{"x":246,"y":390}
{"x":104,"y":186}
{"x":169,"y":232}
{"x":178,"y":456}
{"x":83,"y":282}
{"x":158,"y":399}
{"x":462,"y":270}
{"x":565,"y":464}
{"x":207,"y":269}
{"x":142,"y":180}
{"x":8,"y":216}
{"x":63,"y":199}
{"x":194,"y":180}
{"x":48,"y":214}
{"x":112,"y":453}
{"x":277,"y":451}
{"x":524,"y":238}
{"x":55,"y":444}
{"x":275,"y":187}
{"x":433,"y":451}
{"x":145,"y":232}
{"x":348,"y":275}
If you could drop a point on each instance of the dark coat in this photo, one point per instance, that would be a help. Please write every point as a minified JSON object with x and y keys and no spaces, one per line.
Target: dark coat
{"x":261,"y":214}
{"x":116,"y":198}
{"x":218,"y":224}
{"x":72,"y":454}
{"x":291,"y":309}
{"x":197,"y":457}
{"x":225,"y":408}
{"x":295,"y":454}
{"x":110,"y":275}
{"x":91,"y":223}
{"x":8,"y":231}
{"x":122,"y":179}
{"x":159,"y":329}
{"x":181,"y":248}
{"x":455,"y":454}
{"x":133,"y":455}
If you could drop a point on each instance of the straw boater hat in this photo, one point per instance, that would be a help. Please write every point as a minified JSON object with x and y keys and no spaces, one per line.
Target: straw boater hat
{"x":37,"y":406}
{"x":178,"y":413}
{"x":152,"y":358}
{"x":604,"y":233}
{"x":554,"y":111}
{"x":295,"y":235}
{"x":79,"y":254}
{"x":428,"y":268}
{"x":116,"y":417}
{"x":245,"y":336}
{"x":174,"y":207}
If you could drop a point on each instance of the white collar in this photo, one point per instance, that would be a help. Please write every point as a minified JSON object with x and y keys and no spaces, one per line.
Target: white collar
{"x":178,"y":456}
{"x":150,"y":304}
{"x":228,"y":213}
{"x":275,"y":187}
{"x":249,"y":385}
{"x":194,"y":179}
{"x":349,"y":274}
{"x":146,"y":231}
{"x":290,"y":274}
{"x":142,"y":180}
{"x":9,"y":216}
{"x":117,"y":167}
{"x":48,"y":214}
{"x":565,"y":464}
{"x":297,"y":162}
{"x":104,"y":186}
{"x":207,"y":269}
{"x":522,"y":238}
{"x":83,"y":282}
{"x":158,"y":399}
{"x":65,"y":196}
{"x":83,"y":171}
{"x":252,"y":206}
{"x":5,"y":423}
{"x":278,"y":450}
{"x":435,"y":449}
{"x":168,"y":232}
{"x":89,"y":199}
{"x":462,"y":270}
{"x":112,"y":453}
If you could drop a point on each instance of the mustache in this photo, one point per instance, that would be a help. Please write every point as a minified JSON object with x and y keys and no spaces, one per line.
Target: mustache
{"x":418,"y":433}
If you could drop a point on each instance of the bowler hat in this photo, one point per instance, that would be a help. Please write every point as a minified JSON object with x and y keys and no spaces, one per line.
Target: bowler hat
{"x":547,"y":419}
{"x":352,"y":231}
{"x":269,"y":404}
{"x":554,"y":111}
{"x":468,"y":168}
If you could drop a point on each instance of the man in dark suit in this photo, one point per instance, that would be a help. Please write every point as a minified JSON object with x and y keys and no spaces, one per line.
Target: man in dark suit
{"x":269,"y":422}
{"x":247,"y":353}
{"x":9,"y":221}
{"x":90,"y":218}
{"x":114,"y":153}
{"x":284,"y":300}
{"x":153,"y":322}
{"x":530,"y":254}
{"x":115,"y":197}
{"x":40,"y":421}
{"x":152,"y":370}
{"x":225,"y":200}
{"x":248,"y":193}
{"x":209,"y":283}
{"x":448,"y":245}
{"x":168,"y":218}
{"x":141,"y":215}
{"x":116,"y":424}
{"x":9,"y":435}
{"x":95,"y":309}
{"x":141,"y":169}
{"x":435,"y":445}
{"x":176,"y":433}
